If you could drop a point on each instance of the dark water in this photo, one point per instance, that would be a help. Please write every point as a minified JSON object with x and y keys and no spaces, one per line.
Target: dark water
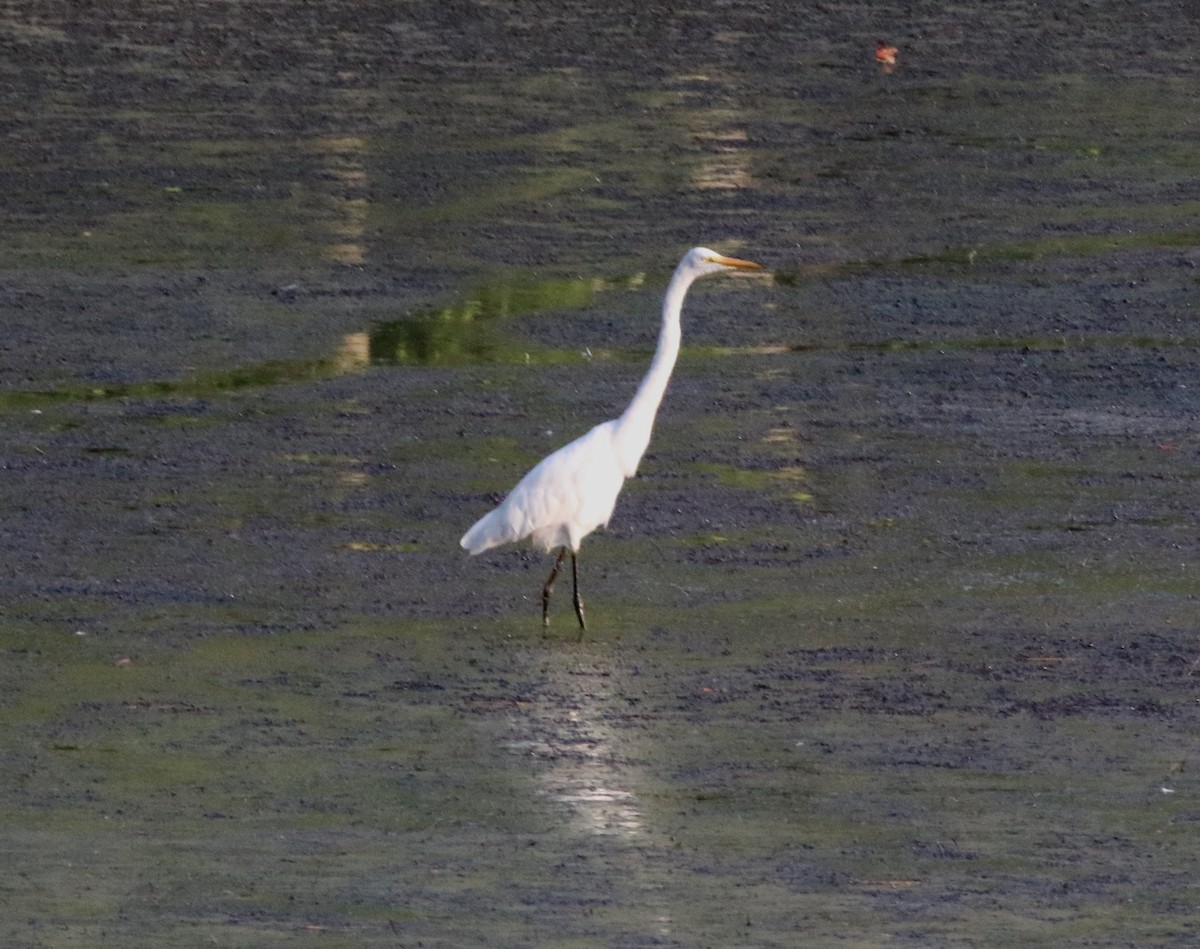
{"x":894,"y":638}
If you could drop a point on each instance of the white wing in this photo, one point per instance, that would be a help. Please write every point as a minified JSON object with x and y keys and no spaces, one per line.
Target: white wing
{"x":565,"y":497}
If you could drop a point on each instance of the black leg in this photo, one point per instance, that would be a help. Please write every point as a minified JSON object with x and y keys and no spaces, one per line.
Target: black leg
{"x":578,"y":598}
{"x":549,"y":587}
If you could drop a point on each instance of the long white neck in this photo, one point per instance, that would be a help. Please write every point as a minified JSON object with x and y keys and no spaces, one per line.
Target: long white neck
{"x":633,"y":428}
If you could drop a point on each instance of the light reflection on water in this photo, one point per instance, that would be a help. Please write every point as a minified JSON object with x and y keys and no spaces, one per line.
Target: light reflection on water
{"x":585,"y":772}
{"x":345,"y":205}
{"x":354,"y":353}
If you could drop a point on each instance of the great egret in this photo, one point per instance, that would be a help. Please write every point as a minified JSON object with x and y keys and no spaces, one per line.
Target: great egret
{"x":571,"y":492}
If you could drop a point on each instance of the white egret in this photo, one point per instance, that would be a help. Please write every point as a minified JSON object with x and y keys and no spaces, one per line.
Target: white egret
{"x":571,"y":492}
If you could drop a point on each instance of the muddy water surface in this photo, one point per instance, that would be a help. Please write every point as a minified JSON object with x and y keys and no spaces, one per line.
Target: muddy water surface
{"x":893,"y":641}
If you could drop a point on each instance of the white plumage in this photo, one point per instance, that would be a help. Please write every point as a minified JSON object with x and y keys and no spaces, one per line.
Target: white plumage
{"x":571,"y":492}
{"x":560,"y":501}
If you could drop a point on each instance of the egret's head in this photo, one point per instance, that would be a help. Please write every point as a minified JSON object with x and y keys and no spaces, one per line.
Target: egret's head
{"x":705,"y":261}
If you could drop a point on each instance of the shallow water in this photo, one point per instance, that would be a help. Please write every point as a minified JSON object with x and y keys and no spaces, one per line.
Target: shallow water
{"x":892,"y":640}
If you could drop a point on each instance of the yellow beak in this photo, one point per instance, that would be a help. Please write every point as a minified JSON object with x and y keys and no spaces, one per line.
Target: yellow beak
{"x":736,"y":263}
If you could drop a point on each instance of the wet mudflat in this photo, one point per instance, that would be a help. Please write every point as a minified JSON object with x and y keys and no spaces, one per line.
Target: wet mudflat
{"x":893,"y":640}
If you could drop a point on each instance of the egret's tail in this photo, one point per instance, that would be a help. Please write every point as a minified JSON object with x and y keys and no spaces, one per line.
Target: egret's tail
{"x":491,"y":530}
